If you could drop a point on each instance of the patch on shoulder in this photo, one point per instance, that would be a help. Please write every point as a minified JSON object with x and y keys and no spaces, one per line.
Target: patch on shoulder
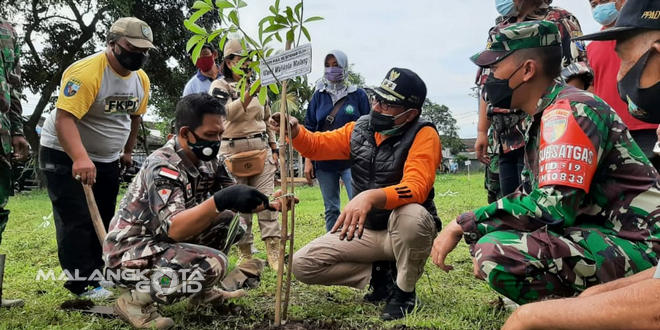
{"x":555,"y":120}
{"x":164,"y":194}
{"x":71,"y":88}
{"x":169,"y":173}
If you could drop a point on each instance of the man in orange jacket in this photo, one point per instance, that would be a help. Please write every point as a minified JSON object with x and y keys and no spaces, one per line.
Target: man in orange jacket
{"x":385,"y":233}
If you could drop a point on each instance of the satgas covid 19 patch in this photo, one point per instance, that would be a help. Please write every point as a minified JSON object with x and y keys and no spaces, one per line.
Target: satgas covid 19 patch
{"x":567,"y":157}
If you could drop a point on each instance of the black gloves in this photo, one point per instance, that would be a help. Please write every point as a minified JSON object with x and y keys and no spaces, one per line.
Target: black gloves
{"x":241,"y":198}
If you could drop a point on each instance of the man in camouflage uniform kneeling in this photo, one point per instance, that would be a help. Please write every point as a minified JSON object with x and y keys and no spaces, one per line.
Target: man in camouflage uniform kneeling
{"x":173,"y":222}
{"x":587,"y":212}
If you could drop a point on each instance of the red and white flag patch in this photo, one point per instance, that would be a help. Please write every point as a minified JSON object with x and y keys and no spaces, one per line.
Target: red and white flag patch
{"x":164,"y":194}
{"x":168,"y":173}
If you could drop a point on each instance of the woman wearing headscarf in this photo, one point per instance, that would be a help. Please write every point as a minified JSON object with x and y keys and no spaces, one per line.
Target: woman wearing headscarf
{"x":335,"y":102}
{"x":249,"y":149}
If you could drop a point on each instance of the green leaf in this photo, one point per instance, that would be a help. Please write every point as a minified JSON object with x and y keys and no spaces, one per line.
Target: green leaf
{"x":273,"y":10}
{"x":274,"y":27}
{"x":263,"y":94}
{"x":214,"y":34}
{"x":196,"y":15}
{"x":277,"y":5}
{"x":196,"y":51}
{"x":298,"y":9}
{"x":241,"y":4}
{"x":306,"y":33}
{"x":278,"y":37}
{"x":268,"y":39}
{"x":223,"y":4}
{"x":289,"y":14}
{"x":223,"y":41}
{"x":193,"y":41}
{"x":243,"y":89}
{"x":265,"y":19}
{"x":269,"y":52}
{"x":314,"y":18}
{"x":233,"y":16}
{"x":255,"y":86}
{"x":201,"y":4}
{"x":274,"y":89}
{"x":281,"y":19}
{"x":196,"y":29}
{"x":290,"y":36}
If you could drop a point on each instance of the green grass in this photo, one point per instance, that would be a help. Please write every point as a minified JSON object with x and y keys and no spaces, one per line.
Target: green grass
{"x":454,"y":300}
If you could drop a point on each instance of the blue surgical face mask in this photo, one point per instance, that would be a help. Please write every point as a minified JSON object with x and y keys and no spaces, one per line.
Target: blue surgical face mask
{"x":606,"y":13}
{"x":506,"y":8}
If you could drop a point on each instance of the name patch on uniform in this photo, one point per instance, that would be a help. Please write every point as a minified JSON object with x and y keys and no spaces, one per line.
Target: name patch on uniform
{"x":71,"y":87}
{"x":121,"y":104}
{"x":566,"y":155}
{"x":168,"y":173}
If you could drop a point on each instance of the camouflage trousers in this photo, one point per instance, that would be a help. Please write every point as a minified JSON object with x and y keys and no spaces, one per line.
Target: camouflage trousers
{"x":184,"y":269}
{"x":532,"y":266}
{"x":6,"y":190}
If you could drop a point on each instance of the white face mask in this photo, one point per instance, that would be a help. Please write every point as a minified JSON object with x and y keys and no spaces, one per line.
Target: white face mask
{"x":506,"y":8}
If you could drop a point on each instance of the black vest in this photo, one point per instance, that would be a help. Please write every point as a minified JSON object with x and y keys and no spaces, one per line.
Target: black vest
{"x":381,"y":166}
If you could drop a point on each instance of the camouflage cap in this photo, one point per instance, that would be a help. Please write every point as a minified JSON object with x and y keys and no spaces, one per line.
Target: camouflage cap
{"x":137,"y":32}
{"x":578,"y":70}
{"x":505,"y":40}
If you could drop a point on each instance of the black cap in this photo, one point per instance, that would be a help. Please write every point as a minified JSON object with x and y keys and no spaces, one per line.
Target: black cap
{"x":635,"y":15}
{"x":402,"y":86}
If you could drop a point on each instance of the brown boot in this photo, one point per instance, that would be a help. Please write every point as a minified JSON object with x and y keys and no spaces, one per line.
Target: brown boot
{"x":137,"y":308}
{"x":273,"y":251}
{"x":245,"y":252}
{"x":214,"y":296}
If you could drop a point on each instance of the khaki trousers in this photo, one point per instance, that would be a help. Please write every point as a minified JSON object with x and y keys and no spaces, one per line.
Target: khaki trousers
{"x":328,"y":260}
{"x":264,"y":182}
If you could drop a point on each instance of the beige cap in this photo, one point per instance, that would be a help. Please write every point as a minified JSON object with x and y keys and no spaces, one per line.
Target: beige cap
{"x":137,"y":32}
{"x":233,"y":47}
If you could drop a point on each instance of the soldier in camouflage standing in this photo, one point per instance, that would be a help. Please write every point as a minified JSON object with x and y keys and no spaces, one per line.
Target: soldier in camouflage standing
{"x":172,"y":222}
{"x":11,"y":128}
{"x":588,"y":210}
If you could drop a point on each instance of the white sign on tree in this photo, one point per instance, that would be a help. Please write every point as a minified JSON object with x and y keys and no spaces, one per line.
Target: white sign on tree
{"x":289,"y":64}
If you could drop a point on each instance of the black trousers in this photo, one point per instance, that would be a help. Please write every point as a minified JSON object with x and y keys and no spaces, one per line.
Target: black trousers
{"x":511,"y":166}
{"x":78,"y":247}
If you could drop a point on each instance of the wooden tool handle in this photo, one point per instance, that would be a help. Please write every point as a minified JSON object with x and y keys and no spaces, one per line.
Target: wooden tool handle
{"x":94,"y":213}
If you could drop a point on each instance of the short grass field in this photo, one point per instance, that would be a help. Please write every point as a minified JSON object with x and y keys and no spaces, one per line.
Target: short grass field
{"x":454,"y":300}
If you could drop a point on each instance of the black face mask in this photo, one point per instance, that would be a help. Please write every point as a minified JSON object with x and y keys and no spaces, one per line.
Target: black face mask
{"x":385,"y":124}
{"x":129,"y":60}
{"x":205,"y":150}
{"x":498,"y":92}
{"x":643,"y":103}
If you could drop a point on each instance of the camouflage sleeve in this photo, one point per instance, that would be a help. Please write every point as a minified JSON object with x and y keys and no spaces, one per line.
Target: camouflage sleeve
{"x":166,"y":196}
{"x":570,"y":28}
{"x":552,"y":205}
{"x":222,"y":178}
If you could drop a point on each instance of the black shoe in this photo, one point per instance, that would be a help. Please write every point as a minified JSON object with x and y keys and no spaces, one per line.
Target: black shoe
{"x":400,"y":304}
{"x":381,"y":283}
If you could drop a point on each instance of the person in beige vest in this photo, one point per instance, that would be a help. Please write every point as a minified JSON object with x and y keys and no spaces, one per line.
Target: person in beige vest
{"x":246,"y":131}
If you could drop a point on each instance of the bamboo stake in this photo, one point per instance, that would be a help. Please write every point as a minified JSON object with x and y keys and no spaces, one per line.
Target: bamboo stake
{"x":284,"y":116}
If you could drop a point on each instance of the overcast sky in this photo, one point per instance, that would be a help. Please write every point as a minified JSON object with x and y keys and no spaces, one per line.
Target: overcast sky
{"x":431,"y":37}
